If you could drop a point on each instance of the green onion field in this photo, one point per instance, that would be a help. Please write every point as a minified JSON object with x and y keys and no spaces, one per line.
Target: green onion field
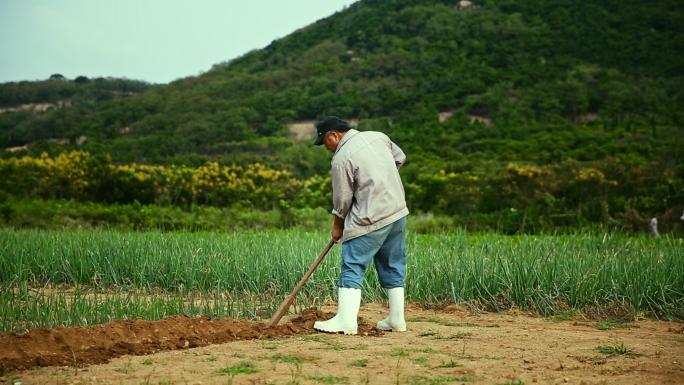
{"x":70,"y":278}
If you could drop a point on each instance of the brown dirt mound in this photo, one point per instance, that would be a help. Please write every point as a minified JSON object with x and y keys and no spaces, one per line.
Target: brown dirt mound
{"x":100,"y":343}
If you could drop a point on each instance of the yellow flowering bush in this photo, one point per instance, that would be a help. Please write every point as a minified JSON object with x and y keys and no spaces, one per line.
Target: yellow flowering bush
{"x":81,"y":176}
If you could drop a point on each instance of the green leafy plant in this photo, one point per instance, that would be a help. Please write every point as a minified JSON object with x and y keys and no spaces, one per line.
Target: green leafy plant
{"x":427,"y":334}
{"x":329,"y":379}
{"x":245,"y":367}
{"x":565,"y":315}
{"x":617,"y":350}
{"x":450,"y":364}
{"x":453,"y":337}
{"x":421,"y":361}
{"x":362,"y":362}
{"x":290,"y":359}
{"x":423,"y":350}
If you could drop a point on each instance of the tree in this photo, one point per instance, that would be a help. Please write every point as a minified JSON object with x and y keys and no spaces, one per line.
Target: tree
{"x":527,"y":184}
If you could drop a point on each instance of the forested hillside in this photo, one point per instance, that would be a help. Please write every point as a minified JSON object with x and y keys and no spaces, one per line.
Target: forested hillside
{"x":568,"y":112}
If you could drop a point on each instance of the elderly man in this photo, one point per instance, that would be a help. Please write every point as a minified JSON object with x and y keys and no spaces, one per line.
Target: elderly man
{"x":370,"y":212}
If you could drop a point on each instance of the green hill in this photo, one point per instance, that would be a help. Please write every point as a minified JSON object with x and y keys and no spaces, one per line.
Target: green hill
{"x":541,"y":82}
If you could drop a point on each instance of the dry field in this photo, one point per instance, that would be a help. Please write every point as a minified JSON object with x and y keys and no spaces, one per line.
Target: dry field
{"x":452,"y":345}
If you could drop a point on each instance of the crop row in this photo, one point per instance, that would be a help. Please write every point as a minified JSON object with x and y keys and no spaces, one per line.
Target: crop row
{"x":46,"y":275}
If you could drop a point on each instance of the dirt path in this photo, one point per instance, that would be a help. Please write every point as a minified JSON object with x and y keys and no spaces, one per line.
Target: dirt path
{"x":448,"y":346}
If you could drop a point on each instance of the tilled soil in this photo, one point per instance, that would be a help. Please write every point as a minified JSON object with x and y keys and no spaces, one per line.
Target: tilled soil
{"x":453,"y":345}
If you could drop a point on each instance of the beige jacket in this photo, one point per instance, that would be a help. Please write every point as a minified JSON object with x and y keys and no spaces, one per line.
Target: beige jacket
{"x":367,"y":189}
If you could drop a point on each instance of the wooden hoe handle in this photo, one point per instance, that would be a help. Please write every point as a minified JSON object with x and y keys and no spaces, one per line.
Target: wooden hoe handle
{"x":290,"y":298}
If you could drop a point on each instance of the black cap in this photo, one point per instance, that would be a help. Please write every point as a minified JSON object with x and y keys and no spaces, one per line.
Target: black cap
{"x":327,"y":124}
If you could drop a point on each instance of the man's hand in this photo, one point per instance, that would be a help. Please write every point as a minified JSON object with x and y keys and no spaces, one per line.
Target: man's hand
{"x":338,"y":229}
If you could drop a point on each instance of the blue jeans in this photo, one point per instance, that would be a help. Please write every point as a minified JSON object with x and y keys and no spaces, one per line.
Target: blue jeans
{"x":385,"y":247}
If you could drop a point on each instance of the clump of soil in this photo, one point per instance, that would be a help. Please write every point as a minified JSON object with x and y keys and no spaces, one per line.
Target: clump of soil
{"x":98,"y":344}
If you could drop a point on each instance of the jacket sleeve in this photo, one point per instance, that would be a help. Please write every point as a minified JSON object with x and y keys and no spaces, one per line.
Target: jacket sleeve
{"x":398,"y":154}
{"x":343,"y":190}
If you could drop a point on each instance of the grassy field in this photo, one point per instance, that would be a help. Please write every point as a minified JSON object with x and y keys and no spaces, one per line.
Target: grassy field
{"x":52,"y":278}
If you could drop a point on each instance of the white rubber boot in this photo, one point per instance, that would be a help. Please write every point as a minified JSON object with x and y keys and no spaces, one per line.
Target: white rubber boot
{"x":395,"y":322}
{"x":347,"y":311}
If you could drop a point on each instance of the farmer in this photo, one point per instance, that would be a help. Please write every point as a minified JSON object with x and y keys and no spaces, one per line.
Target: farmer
{"x":370,"y":212}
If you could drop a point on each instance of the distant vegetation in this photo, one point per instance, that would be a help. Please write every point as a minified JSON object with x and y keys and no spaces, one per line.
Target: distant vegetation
{"x":586,"y":101}
{"x":513,"y":199}
{"x":56,"y":108}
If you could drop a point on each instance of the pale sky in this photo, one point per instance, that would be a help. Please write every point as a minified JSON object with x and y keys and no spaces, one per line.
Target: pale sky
{"x":157,"y":41}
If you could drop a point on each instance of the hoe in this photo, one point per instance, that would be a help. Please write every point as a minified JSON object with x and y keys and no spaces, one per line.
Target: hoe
{"x":290,"y":298}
